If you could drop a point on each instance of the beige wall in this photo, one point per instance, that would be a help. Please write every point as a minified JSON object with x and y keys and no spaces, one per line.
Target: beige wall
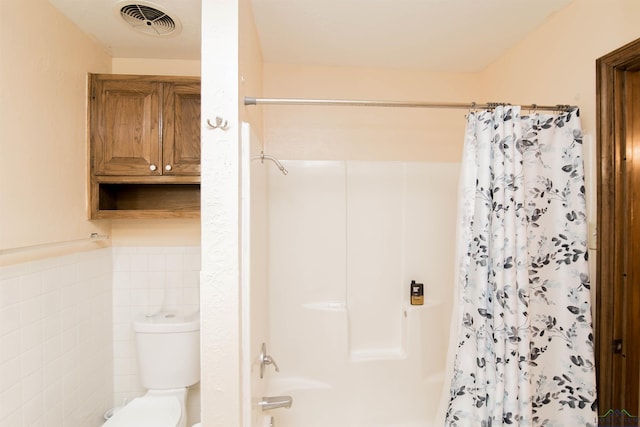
{"x":254,"y":247}
{"x":160,"y":67}
{"x":556,"y":63}
{"x":43,"y":161}
{"x":250,"y":68}
{"x":357,"y":133}
{"x":553,"y":65}
{"x":44,"y":98}
{"x":43,"y":150}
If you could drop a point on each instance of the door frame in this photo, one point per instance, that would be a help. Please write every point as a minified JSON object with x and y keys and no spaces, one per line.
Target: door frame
{"x":612,"y":208}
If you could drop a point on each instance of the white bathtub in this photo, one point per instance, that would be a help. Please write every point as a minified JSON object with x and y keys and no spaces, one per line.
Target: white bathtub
{"x":366,"y":399}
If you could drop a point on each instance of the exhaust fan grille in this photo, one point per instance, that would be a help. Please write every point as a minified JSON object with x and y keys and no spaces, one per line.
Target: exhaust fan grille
{"x":148,"y":20}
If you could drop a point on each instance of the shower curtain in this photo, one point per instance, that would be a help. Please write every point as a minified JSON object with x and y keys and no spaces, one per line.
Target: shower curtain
{"x":524,"y":352}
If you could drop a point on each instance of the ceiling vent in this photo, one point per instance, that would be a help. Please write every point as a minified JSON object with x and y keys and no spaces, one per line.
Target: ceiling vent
{"x":148,"y":18}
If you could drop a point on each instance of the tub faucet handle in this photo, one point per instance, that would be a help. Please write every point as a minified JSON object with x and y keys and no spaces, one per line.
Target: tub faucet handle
{"x":268,"y":360}
{"x":275,"y":402}
{"x":265,"y":360}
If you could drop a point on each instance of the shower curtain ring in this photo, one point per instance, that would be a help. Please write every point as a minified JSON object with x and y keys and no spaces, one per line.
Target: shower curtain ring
{"x":470,"y":110}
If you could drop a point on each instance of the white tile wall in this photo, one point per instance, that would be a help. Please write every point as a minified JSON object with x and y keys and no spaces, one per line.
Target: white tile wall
{"x":55,"y":341}
{"x":146,"y":280}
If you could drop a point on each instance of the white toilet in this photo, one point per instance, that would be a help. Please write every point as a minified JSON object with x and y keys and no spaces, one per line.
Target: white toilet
{"x":169,"y":360}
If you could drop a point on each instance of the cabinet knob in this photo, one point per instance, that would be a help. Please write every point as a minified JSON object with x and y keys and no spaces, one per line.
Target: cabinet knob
{"x":152,"y":167}
{"x":167,"y":168}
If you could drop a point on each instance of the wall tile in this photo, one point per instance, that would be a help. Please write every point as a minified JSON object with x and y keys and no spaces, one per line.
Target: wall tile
{"x":31,"y":360}
{"x":53,"y":304}
{"x":31,"y":310}
{"x":31,"y":335}
{"x":121,"y":261}
{"x":55,"y":340}
{"x":33,"y":410}
{"x":10,"y":346}
{"x":31,"y":286}
{"x":9,"y":319}
{"x":11,"y":401}
{"x":9,"y":374}
{"x":32,"y":385}
{"x":9,"y":291}
{"x":67,"y":349}
{"x":53,"y":415}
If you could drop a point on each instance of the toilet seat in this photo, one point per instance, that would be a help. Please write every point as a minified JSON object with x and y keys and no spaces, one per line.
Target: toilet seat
{"x":148,"y":411}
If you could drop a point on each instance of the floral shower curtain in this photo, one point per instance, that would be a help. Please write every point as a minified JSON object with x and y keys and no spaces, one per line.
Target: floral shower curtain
{"x":525,"y":352}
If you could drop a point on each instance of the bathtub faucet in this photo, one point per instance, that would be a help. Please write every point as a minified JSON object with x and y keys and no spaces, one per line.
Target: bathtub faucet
{"x":274,"y":402}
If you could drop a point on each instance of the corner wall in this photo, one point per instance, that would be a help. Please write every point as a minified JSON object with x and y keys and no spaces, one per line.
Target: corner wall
{"x":231,"y":65}
{"x":556,"y":64}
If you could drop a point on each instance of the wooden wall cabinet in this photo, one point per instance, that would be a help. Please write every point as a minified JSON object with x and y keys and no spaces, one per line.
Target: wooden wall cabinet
{"x":145,"y":146}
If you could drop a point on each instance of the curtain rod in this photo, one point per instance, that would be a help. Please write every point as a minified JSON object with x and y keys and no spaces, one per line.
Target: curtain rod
{"x":93,"y":237}
{"x":407,"y":104}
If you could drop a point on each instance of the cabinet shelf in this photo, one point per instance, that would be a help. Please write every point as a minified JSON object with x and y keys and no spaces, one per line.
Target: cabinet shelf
{"x":135,"y":200}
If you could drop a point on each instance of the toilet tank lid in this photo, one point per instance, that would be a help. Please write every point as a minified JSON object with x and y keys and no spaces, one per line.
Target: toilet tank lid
{"x":166,"y":321}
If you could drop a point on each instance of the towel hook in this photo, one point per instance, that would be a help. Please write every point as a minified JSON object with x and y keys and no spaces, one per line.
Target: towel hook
{"x":220,"y":123}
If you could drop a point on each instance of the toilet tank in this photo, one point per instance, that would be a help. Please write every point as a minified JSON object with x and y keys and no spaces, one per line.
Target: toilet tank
{"x":168,"y":347}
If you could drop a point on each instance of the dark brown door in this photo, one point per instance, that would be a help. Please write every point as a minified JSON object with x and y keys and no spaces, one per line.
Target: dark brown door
{"x":618,"y":263}
{"x":630,"y":233}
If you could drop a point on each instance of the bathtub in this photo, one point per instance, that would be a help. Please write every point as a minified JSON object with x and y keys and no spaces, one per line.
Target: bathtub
{"x":368,"y":398}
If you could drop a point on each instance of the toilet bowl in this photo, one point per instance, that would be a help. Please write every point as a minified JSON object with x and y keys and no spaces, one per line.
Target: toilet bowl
{"x":151,"y":410}
{"x":169,"y":361}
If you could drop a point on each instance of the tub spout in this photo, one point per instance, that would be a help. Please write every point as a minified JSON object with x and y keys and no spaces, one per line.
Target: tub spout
{"x":274,"y":402}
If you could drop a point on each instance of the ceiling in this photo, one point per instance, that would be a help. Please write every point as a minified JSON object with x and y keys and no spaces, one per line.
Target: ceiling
{"x":433,"y":35}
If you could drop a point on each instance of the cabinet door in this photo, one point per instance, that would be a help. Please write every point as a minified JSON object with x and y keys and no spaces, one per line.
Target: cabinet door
{"x":125,"y":127}
{"x":181,"y":129}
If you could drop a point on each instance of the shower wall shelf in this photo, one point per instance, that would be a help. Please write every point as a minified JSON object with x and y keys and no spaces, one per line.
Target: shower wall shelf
{"x":326,"y":306}
{"x":427,"y":303}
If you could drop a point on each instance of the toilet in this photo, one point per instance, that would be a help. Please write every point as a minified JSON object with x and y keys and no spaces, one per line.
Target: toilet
{"x":168,"y":347}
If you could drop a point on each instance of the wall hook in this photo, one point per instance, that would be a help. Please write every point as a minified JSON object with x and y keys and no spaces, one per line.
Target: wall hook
{"x":220,"y":123}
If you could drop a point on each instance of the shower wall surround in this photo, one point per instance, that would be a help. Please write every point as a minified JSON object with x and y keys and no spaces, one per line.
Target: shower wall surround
{"x":55,"y":341}
{"x":346,"y":240}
